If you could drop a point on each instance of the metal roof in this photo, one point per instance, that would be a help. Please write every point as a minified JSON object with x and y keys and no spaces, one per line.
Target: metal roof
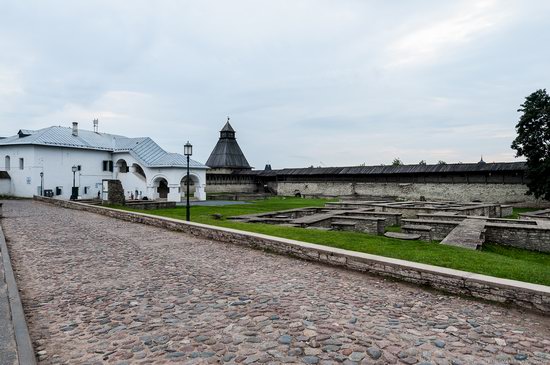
{"x":396,"y":170}
{"x":144,"y":149}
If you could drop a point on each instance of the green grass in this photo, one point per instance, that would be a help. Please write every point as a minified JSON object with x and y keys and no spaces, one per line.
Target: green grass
{"x":517,"y":211}
{"x":493,"y":260}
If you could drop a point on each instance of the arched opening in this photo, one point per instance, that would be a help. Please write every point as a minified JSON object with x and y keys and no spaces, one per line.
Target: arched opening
{"x":193,"y":187}
{"x":122,"y":166}
{"x":7,"y":163}
{"x":138,"y":171}
{"x":161,"y":188}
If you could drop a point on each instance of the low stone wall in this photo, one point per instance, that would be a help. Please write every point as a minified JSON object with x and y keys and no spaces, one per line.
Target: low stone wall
{"x":530,"y":237}
{"x":506,"y":210}
{"x":364,"y":224}
{"x":150,"y":204}
{"x":460,"y":218}
{"x":522,"y":294}
{"x":392,"y":219}
{"x":440,"y":228}
{"x":543,"y":215}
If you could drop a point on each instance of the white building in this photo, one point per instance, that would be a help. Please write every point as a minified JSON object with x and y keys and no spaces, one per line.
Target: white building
{"x":142,"y":166}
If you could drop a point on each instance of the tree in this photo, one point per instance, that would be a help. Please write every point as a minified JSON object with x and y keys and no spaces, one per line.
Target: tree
{"x":397,"y":162}
{"x":422,"y":162}
{"x":533,"y":142}
{"x":441,"y":162}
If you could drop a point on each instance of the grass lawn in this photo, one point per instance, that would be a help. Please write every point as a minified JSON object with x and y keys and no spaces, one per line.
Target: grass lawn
{"x":517,"y":211}
{"x":493,"y":260}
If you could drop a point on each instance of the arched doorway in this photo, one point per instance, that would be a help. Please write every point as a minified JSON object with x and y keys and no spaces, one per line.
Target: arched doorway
{"x":193,"y":187}
{"x":162,"y":188}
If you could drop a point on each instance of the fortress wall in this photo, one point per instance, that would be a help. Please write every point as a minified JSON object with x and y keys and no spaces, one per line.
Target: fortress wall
{"x":496,"y":193}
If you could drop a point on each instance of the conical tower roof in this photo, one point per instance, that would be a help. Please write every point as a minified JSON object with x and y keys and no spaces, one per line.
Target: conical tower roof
{"x":227,"y":153}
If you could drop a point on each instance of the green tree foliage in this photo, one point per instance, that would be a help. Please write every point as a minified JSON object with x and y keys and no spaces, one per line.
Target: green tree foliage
{"x":423,"y":163}
{"x":397,"y":162}
{"x":441,"y":162}
{"x":533,"y":142}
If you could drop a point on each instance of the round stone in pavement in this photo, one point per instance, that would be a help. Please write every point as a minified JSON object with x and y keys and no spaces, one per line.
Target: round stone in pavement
{"x":374,"y":352}
{"x":310,"y":359}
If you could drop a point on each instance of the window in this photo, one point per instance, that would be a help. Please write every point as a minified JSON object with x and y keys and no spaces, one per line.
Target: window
{"x":21,"y":163}
{"x":86,"y":190}
{"x":7,"y":163}
{"x":107,"y":165}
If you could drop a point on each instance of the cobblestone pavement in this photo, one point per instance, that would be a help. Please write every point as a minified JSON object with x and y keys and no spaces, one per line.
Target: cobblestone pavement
{"x":97,"y":290}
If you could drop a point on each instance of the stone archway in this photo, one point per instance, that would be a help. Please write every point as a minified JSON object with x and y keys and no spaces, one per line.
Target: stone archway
{"x":194,"y":186}
{"x":163,"y":189}
{"x":160,"y":188}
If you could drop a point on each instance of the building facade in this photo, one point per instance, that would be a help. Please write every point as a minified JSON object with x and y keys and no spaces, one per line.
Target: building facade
{"x":42,"y":161}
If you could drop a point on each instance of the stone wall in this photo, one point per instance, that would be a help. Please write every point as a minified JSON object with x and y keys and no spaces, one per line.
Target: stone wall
{"x":363,"y":224}
{"x":440,"y":228}
{"x":150,"y":204}
{"x":530,"y":237}
{"x":525,"y":295}
{"x":231,"y":188}
{"x":495,"y":193}
{"x":115,"y":192}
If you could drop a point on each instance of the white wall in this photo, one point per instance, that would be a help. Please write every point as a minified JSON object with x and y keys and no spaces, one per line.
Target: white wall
{"x":22,"y":179}
{"x":56,"y":163}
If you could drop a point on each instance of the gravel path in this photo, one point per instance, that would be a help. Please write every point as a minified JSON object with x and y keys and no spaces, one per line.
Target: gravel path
{"x":100,"y":290}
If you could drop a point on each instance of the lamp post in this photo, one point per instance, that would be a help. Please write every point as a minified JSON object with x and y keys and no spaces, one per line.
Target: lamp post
{"x":41,"y":183}
{"x":188,"y":151}
{"x":74,"y":194}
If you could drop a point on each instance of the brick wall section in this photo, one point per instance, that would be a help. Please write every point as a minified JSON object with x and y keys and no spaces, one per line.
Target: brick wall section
{"x":531,"y":296}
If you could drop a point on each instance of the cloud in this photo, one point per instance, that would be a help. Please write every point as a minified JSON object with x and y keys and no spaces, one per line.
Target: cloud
{"x":304,"y":81}
{"x":438,"y":39}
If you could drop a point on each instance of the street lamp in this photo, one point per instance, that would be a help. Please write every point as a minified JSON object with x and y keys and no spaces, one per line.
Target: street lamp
{"x":74,"y":194}
{"x":188,"y":151}
{"x":41,"y":183}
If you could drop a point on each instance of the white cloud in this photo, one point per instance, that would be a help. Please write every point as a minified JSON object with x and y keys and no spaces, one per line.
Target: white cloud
{"x":438,"y":39}
{"x":304,"y":81}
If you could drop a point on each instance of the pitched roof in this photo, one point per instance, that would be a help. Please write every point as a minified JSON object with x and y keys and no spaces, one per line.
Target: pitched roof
{"x":144,"y":149}
{"x":227,"y":128}
{"x":397,"y":170}
{"x":227,"y":153}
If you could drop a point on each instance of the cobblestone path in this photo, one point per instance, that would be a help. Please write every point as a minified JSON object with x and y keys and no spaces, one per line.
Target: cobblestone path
{"x":100,"y":290}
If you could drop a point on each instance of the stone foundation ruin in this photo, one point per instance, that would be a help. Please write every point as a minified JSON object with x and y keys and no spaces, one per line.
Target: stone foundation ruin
{"x":466,"y":225}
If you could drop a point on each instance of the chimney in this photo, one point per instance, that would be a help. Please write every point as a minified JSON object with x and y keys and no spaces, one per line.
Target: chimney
{"x":75,"y":129}
{"x":96,"y":125}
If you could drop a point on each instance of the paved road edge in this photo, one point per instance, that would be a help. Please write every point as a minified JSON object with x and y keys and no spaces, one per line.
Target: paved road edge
{"x":525,"y":295}
{"x":25,"y":351}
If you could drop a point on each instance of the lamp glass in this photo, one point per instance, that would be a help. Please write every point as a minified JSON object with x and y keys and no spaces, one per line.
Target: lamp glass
{"x":74,"y":168}
{"x":188,"y":149}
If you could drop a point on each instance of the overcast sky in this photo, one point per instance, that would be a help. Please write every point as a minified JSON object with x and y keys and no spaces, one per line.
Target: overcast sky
{"x":324,"y":83}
